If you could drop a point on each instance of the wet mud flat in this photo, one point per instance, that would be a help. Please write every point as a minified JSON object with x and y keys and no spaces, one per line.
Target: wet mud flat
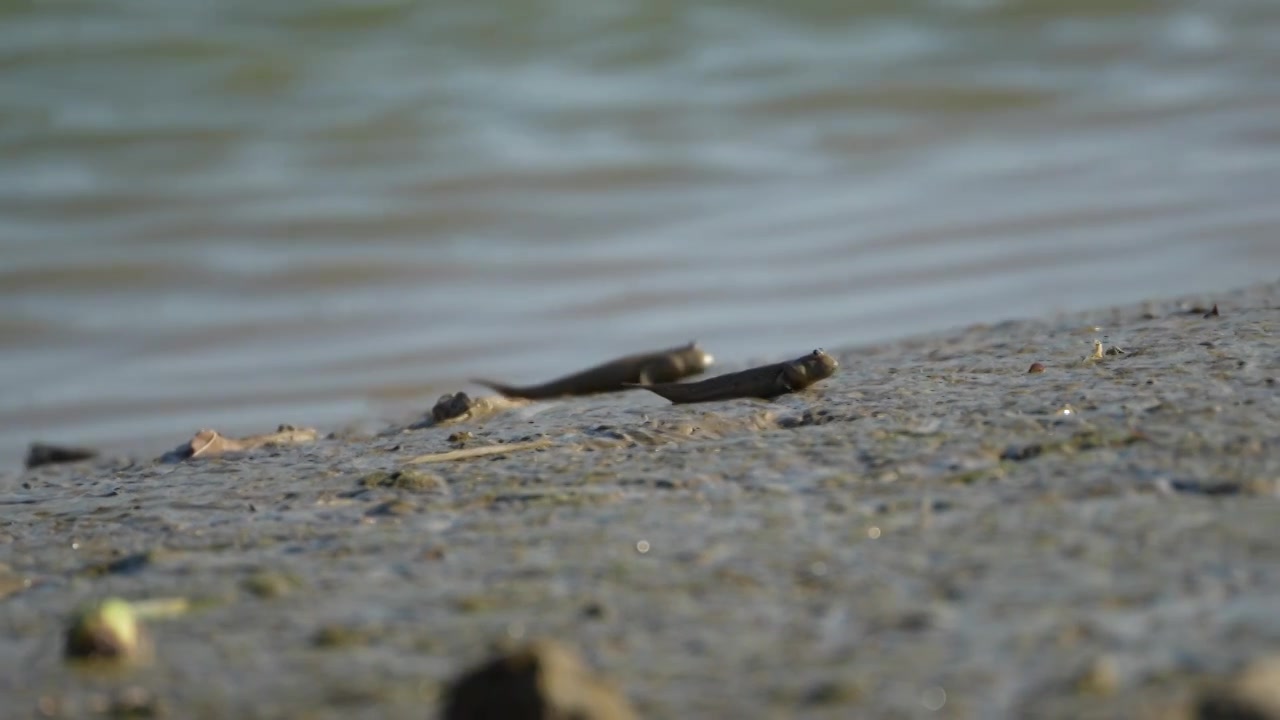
{"x":932,"y":532}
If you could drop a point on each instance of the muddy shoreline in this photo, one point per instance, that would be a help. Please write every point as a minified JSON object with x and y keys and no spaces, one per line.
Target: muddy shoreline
{"x":933,"y":532}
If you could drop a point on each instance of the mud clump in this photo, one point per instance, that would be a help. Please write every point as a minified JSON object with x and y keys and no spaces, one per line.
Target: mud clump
{"x":460,"y":406}
{"x":414,"y":480}
{"x":543,"y":680}
{"x":210,"y":443}
{"x":452,"y":406}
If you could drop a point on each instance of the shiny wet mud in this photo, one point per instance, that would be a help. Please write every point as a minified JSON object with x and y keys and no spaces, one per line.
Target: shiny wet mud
{"x":931,"y":527}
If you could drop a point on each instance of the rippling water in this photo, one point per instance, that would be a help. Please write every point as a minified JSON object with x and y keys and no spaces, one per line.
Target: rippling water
{"x":235,"y":214}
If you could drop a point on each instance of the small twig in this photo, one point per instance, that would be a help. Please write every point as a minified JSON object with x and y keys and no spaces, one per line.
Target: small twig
{"x":161,"y":607}
{"x":467,"y":453}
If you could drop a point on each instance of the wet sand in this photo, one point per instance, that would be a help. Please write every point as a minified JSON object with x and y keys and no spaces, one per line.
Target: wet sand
{"x":933,"y":532}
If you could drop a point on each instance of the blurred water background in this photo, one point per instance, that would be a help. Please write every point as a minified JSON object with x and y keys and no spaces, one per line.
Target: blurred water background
{"x":233,"y":214}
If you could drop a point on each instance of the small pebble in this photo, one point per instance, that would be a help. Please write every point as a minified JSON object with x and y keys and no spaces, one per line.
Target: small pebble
{"x":106,"y":631}
{"x":267,"y":585}
{"x":392,"y":508}
{"x":135,"y":702}
{"x":1100,"y":677}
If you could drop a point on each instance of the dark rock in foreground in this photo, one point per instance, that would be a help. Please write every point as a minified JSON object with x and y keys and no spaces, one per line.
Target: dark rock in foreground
{"x":540,"y":681}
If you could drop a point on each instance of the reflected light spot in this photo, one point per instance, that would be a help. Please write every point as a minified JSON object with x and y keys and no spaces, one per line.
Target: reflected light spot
{"x":642,"y":547}
{"x":934,"y":698}
{"x":873,"y":532}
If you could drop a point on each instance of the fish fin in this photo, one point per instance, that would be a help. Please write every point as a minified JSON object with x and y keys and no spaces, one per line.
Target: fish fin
{"x":784,"y":382}
{"x":665,"y":370}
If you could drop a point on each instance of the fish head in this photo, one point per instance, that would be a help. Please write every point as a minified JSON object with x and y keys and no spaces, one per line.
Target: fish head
{"x":696,"y":359}
{"x":818,"y":365}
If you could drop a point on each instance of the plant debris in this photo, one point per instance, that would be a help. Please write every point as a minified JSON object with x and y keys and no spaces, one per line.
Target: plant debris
{"x":468,"y":453}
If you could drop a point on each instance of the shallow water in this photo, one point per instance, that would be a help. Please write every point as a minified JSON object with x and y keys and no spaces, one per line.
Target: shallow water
{"x":231,"y":215}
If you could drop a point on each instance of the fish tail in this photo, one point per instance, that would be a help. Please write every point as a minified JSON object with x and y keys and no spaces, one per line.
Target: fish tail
{"x":501,"y":389}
